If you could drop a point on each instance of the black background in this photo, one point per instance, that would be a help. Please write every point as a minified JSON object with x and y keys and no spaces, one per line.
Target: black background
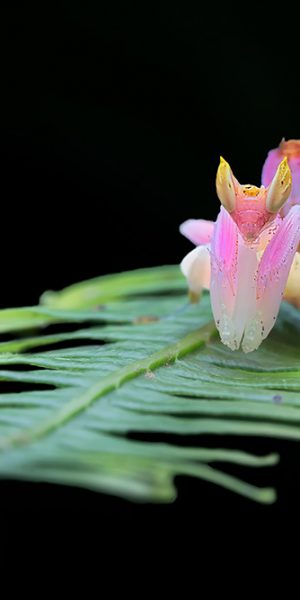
{"x":113,"y":120}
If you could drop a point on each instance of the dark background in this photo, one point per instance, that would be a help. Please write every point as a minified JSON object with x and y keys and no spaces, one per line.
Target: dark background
{"x":115,"y":116}
{"x":113,"y":120}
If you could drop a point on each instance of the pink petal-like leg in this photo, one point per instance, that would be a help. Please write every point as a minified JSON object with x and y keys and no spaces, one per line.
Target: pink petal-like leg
{"x":223,"y":286}
{"x":272,"y":277}
{"x":197,"y":231}
{"x":233,"y":284}
{"x":196,"y":268}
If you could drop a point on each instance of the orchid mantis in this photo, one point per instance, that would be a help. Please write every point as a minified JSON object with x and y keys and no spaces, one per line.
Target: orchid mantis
{"x":248,"y":258}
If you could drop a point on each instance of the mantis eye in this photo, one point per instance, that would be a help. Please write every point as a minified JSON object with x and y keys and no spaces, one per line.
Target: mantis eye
{"x":280,"y":187}
{"x":225,"y":186}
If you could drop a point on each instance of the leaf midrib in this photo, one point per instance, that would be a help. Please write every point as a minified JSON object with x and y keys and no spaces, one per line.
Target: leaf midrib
{"x":189,"y":343}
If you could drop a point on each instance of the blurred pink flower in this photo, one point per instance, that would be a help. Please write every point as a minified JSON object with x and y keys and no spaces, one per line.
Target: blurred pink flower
{"x":248,"y":257}
{"x":290,"y":149}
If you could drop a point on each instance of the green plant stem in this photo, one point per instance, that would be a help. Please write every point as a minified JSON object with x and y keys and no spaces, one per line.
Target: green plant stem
{"x":168,"y":355}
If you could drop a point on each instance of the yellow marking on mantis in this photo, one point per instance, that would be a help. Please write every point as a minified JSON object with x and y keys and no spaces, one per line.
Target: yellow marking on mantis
{"x":224,"y":184}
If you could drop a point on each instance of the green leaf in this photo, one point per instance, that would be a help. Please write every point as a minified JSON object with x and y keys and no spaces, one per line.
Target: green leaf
{"x":107,"y":383}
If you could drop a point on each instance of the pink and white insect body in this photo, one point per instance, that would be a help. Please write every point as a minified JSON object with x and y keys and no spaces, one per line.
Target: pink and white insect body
{"x":248,"y":257}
